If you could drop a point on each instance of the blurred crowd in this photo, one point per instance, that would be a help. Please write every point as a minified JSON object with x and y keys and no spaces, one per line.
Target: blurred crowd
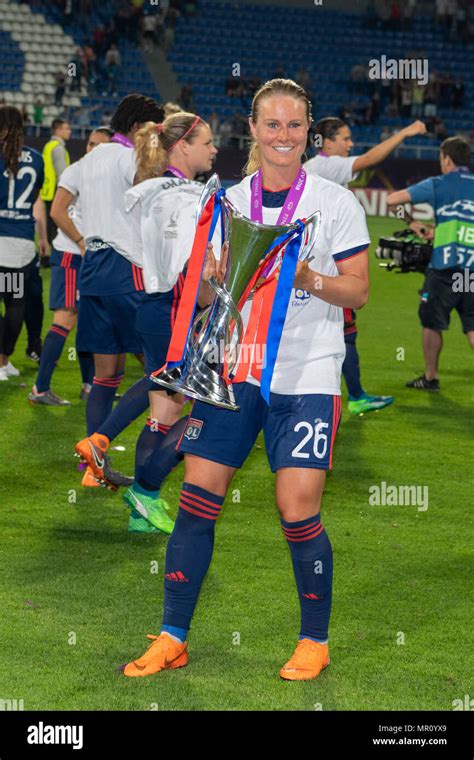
{"x":456,"y":17}
{"x":95,"y":66}
{"x":401,"y":97}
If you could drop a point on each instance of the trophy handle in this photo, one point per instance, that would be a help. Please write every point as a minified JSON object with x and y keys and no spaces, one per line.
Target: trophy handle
{"x":210,"y":188}
{"x":312,"y":224}
{"x":225,"y":300}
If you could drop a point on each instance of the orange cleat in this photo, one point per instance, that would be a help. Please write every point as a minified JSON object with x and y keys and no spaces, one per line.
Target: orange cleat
{"x":89,"y":479}
{"x":92,"y":450}
{"x":164,"y":654}
{"x":308,"y":660}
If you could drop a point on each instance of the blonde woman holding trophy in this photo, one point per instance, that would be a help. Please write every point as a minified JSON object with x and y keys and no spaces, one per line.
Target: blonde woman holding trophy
{"x":292,"y":392}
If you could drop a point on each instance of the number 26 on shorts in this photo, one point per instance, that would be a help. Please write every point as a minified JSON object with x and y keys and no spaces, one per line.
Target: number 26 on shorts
{"x":314,"y":433}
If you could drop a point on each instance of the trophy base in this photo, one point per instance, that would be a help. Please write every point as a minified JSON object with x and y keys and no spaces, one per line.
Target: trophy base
{"x":172,"y":380}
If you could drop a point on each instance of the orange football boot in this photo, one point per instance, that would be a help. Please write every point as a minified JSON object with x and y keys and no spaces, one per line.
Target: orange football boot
{"x":89,"y":479}
{"x":308,"y":660}
{"x":165,"y":653}
{"x":92,"y":450}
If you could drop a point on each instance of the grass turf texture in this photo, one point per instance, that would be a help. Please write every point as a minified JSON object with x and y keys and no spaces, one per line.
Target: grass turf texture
{"x":70,"y":572}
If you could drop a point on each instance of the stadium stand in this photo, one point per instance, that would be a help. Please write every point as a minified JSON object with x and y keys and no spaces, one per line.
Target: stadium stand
{"x":32,"y":52}
{"x":37,"y":44}
{"x":325,"y":43}
{"x":265,"y":41}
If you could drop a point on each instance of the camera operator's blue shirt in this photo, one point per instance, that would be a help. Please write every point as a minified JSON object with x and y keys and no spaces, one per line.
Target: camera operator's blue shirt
{"x":452,"y":198}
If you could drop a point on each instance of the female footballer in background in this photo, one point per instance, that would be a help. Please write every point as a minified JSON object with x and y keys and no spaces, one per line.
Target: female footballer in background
{"x":169,"y":156}
{"x":21,"y":178}
{"x":301,"y":421}
{"x":66,"y":259}
{"x":334,"y":162}
{"x":110,"y":280}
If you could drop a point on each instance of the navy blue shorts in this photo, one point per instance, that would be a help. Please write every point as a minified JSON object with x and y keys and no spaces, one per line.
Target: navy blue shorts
{"x":299,"y":431}
{"x":154,"y":324}
{"x":64,"y":271}
{"x":106,"y":324}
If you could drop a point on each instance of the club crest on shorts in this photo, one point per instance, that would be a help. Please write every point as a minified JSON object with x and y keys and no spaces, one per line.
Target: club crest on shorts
{"x":193,"y":429}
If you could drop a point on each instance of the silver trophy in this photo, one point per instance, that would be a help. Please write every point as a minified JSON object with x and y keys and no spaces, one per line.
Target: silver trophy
{"x":216,"y":334}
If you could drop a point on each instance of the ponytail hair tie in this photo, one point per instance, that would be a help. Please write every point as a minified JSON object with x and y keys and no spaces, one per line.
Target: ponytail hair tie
{"x":159,"y":128}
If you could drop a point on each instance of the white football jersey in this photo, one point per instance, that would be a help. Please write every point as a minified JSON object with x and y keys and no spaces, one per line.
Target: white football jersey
{"x":312,"y":348}
{"x":62,"y":242}
{"x":336,"y":168}
{"x":105,"y":174}
{"x":163,"y":211}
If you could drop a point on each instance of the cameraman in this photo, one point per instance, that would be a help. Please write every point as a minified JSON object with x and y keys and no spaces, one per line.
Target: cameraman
{"x":451,"y":195}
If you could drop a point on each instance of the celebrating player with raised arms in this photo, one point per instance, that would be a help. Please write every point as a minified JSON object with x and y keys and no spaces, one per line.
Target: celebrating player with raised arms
{"x":66,"y":259}
{"x":21,"y":178}
{"x":164,"y":207}
{"x":335,"y":163}
{"x":302,"y":416}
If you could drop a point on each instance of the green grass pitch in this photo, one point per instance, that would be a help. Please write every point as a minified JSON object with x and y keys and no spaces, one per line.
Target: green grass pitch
{"x":78,"y":593}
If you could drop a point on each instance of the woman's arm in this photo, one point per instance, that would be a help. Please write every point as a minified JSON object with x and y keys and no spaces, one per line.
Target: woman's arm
{"x":59,"y":213}
{"x":350,"y":289}
{"x":39,"y":213}
{"x":380,"y":152}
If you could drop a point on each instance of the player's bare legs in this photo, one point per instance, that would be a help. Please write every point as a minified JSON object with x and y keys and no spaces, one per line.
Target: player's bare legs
{"x":212,"y":476}
{"x":432,"y":345}
{"x":109,"y":365}
{"x":299,"y":492}
{"x":167,"y":409}
{"x":66,"y":318}
{"x":470,"y":337}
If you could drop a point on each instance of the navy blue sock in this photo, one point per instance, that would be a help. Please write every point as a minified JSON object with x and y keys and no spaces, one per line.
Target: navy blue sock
{"x":189,"y":554}
{"x":86,"y":363}
{"x":152,"y":435}
{"x":311,"y":554}
{"x":351,"y":369}
{"x":163,"y":458}
{"x":100,"y":401}
{"x":52,"y":349}
{"x":132,"y":404}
